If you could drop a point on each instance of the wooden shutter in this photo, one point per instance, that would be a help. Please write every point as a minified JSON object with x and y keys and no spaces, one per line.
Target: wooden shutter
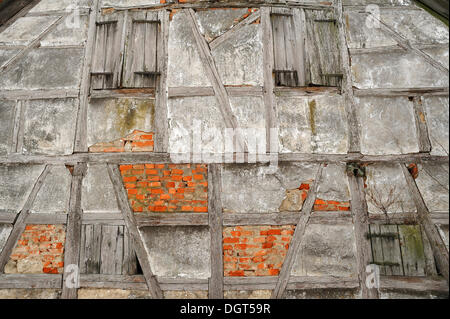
{"x":141,"y":63}
{"x":106,"y":62}
{"x":107,"y":250}
{"x":325,"y":63}
{"x":287,"y":65}
{"x":400,"y":250}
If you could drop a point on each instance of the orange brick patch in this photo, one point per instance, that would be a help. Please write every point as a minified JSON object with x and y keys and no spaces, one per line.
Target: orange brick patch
{"x":138,"y":141}
{"x":166,"y":187}
{"x":45,"y":243}
{"x":255,"y":250}
{"x":324,"y":205}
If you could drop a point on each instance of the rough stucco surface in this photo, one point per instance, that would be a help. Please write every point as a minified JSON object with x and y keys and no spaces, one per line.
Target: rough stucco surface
{"x":179,"y":251}
{"x":25,"y":30}
{"x":16,"y":185}
{"x":433,"y":184}
{"x":326,"y":251}
{"x":5,"y":230}
{"x":387,"y":126}
{"x":29,"y":294}
{"x":321,"y":294}
{"x":98,"y":192}
{"x":261,"y":192}
{"x":7,"y":113}
{"x":437,"y":114}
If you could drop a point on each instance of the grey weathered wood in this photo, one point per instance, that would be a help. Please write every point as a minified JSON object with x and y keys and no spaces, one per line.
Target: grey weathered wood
{"x":73,"y":230}
{"x":421,"y":125}
{"x":20,"y":128}
{"x":297,"y":238}
{"x":130,"y":221}
{"x":234,"y":30}
{"x":418,"y":284}
{"x":111,"y":250}
{"x":30,"y":281}
{"x":430,"y":265}
{"x":19,"y":223}
{"x":216,"y":230}
{"x":392,"y":262}
{"x":129,"y":266}
{"x":38,"y":94}
{"x":47,"y":219}
{"x":268,"y":61}
{"x":213,"y":75}
{"x":17,"y":124}
{"x":175,"y":92}
{"x":423,"y":215}
{"x":377,"y":248}
{"x":347,"y":82}
{"x":423,"y":91}
{"x":80,"y":144}
{"x":412,"y":248}
{"x":363,"y":249}
{"x":161,"y":107}
{"x":395,"y":48}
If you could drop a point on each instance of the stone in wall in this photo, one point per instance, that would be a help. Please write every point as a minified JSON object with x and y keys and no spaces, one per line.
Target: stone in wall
{"x":90,"y":293}
{"x":185,"y":295}
{"x":40,"y":249}
{"x":50,"y":126}
{"x":250,"y":251}
{"x":327,"y":250}
{"x":387,"y":126}
{"x":166,"y":187}
{"x":245,"y":294}
{"x":179,"y":252}
{"x":114,"y":125}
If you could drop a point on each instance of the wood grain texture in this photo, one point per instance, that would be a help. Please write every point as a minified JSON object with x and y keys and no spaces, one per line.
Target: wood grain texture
{"x":421,"y":125}
{"x":130,"y":221}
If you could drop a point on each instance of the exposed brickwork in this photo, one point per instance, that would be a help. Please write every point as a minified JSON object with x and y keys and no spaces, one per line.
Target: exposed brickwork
{"x":44,"y":246}
{"x":166,"y":187}
{"x":255,"y":250}
{"x":138,"y":141}
{"x":324,"y":205}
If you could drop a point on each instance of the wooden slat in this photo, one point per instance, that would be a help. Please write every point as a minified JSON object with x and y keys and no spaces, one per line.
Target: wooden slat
{"x":109,"y":247}
{"x":297,"y":238}
{"x":438,"y":246}
{"x":213,"y":75}
{"x":73,"y":230}
{"x":421,"y":125}
{"x":417,"y":284}
{"x":377,"y":248}
{"x":129,"y":266}
{"x":363,"y":249}
{"x":130,"y":221}
{"x":19,"y":223}
{"x":423,"y":91}
{"x":392,"y":263}
{"x":412,"y":248}
{"x":30,"y":281}
{"x":216,"y":230}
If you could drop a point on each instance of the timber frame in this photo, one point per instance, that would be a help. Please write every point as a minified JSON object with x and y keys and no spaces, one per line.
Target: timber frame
{"x":216,"y":219}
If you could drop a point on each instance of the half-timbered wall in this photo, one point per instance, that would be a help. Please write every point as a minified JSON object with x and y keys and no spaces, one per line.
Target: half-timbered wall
{"x":114,"y":156}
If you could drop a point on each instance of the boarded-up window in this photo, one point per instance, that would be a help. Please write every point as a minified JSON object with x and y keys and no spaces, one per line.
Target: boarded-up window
{"x":306,"y":51}
{"x":107,"y":250}
{"x":106,"y":61}
{"x":126,"y":57}
{"x":141,"y":66}
{"x":401,"y":250}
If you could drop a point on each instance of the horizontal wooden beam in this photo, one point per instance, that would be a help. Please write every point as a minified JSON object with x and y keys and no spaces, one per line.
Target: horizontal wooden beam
{"x":417,"y":284}
{"x":162,"y":158}
{"x":394,"y":48}
{"x":39,"y":94}
{"x":438,"y":91}
{"x":176,"y":92}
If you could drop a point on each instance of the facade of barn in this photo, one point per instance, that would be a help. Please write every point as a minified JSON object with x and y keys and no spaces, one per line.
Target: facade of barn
{"x":224,"y":149}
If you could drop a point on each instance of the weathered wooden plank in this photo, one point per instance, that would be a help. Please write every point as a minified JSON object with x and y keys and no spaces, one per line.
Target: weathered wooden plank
{"x":216,"y":230}
{"x":418,"y":284}
{"x":390,"y":244}
{"x":30,"y":281}
{"x":213,"y":75}
{"x":73,"y":230}
{"x":421,"y":125}
{"x":413,"y":250}
{"x":268,"y":61}
{"x":175,"y":92}
{"x":161,"y":107}
{"x":430,"y":264}
{"x":297,"y":238}
{"x":108,"y":250}
{"x":47,"y":219}
{"x":17,"y":121}
{"x":438,"y":246}
{"x":38,"y":94}
{"x":394,"y":48}
{"x":377,"y":248}
{"x":423,"y":91}
{"x":130,"y":221}
{"x":347,"y":82}
{"x":19,"y":223}
{"x":129,"y":266}
{"x":81,"y":128}
{"x":363,"y":249}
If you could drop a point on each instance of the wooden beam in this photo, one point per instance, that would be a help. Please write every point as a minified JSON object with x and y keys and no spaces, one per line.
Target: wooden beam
{"x":72,"y":246}
{"x":30,"y":281}
{"x":421,"y":125}
{"x":216,"y":230}
{"x":176,"y":92}
{"x":416,"y":284}
{"x":395,"y":48}
{"x":363,"y":248}
{"x":269,"y":84}
{"x":80,"y":144}
{"x":297,"y":238}
{"x":439,"y":249}
{"x":130,"y":221}
{"x":430,"y":91}
{"x":38,"y":94}
{"x":161,"y":120}
{"x":234,"y":30}
{"x":213,"y":75}
{"x":19,"y":224}
{"x":354,"y":140}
